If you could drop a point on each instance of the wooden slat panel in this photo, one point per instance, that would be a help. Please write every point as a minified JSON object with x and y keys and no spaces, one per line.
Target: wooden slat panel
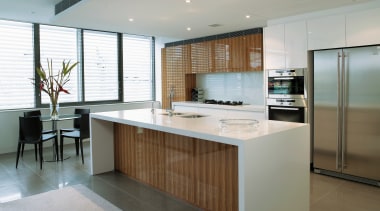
{"x":179,"y":166}
{"x":177,"y":63}
{"x":254,"y":52}
{"x":201,"y":172}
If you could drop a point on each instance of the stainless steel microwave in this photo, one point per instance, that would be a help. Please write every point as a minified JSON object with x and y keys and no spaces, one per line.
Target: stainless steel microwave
{"x":287,"y":83}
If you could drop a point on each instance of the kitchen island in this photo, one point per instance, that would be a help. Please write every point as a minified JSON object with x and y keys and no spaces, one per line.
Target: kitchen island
{"x":263,"y":168}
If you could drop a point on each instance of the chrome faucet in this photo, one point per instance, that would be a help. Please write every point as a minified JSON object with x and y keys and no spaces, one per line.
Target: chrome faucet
{"x":171,"y":96}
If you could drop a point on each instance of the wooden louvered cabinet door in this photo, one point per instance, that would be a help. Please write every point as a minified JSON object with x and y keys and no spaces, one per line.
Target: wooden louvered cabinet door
{"x":201,"y":57}
{"x":221,"y":55}
{"x":175,"y":64}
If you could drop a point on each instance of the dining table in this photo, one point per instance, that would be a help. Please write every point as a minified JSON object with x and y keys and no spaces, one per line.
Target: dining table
{"x":54,"y":125}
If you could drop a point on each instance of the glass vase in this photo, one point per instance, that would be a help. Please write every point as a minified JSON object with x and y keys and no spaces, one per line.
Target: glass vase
{"x":54,"y":110}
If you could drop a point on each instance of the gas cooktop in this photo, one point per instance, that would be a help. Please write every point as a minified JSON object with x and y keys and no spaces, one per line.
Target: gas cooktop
{"x":221,"y":102}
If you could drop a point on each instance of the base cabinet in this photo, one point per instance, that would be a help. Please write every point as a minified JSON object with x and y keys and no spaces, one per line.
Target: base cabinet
{"x":202,"y":172}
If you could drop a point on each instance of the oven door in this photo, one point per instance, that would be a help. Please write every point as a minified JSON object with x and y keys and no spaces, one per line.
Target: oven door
{"x":287,"y":113}
{"x":286,"y":87}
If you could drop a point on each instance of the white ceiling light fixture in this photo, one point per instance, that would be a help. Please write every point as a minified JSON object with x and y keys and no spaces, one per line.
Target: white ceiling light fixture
{"x":188,"y":1}
{"x":130,"y":19}
{"x":188,"y":29}
{"x":247,"y":16}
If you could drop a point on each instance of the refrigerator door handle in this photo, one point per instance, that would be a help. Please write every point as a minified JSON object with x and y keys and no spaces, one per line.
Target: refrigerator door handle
{"x":344,"y":104}
{"x":338,"y":140}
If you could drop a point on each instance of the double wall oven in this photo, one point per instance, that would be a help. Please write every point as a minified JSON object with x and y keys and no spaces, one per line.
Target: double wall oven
{"x":287,"y":95}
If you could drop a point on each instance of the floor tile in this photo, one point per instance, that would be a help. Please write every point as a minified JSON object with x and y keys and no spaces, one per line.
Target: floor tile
{"x":326,"y":193}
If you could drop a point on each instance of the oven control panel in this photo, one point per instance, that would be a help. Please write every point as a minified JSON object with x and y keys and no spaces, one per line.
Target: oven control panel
{"x":287,"y":102}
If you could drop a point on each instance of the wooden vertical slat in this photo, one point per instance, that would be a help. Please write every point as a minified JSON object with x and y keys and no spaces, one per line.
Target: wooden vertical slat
{"x":202,"y":172}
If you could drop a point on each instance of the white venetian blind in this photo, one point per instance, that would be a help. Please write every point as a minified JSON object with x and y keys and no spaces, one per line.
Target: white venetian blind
{"x":100,"y":66}
{"x":59,"y":44}
{"x":16,"y":65}
{"x":137,"y":68}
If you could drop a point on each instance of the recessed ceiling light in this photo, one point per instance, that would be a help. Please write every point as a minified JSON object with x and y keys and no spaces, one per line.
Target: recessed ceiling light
{"x":247,"y":16}
{"x":188,"y":1}
{"x":188,"y":29}
{"x":131,"y":19}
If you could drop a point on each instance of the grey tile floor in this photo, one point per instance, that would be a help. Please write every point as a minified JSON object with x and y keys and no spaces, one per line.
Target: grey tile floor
{"x":326,"y":193}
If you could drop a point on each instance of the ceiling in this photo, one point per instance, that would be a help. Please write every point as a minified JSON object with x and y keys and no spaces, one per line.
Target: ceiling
{"x":165,"y":18}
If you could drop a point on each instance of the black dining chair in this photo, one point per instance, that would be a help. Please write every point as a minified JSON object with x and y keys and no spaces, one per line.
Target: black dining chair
{"x":76,"y":125}
{"x":78,"y":134}
{"x":30,"y":132}
{"x":31,"y":114}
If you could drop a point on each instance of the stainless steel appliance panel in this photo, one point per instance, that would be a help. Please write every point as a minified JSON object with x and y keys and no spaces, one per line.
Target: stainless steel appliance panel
{"x":361,"y":133}
{"x":347,"y":111}
{"x":326,"y":74}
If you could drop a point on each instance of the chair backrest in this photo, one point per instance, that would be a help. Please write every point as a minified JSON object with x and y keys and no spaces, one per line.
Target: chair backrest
{"x":32,"y":113}
{"x":85,"y":126}
{"x":80,"y":111}
{"x":30,"y":129}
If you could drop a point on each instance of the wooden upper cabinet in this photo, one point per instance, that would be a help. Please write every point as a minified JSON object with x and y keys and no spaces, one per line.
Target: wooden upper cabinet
{"x":253,"y":49}
{"x":239,"y":54}
{"x":175,"y":64}
{"x":201,"y":57}
{"x":221,"y":55}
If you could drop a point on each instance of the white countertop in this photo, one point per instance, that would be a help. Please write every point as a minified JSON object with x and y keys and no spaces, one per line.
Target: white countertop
{"x":204,"y":127}
{"x":257,"y":108}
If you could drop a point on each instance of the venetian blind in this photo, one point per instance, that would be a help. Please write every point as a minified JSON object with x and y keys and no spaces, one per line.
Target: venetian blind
{"x":137,"y":68}
{"x":59,"y":44}
{"x":16,"y":65}
{"x":100,"y":66}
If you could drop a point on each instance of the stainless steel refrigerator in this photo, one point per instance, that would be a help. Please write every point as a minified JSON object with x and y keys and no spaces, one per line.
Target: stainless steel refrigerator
{"x":347,"y":113}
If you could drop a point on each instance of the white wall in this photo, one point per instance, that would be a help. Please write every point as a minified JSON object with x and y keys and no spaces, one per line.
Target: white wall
{"x":9,"y":121}
{"x":247,"y":86}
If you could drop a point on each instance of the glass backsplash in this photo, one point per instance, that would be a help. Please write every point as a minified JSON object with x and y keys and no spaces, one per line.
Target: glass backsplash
{"x":247,"y":87}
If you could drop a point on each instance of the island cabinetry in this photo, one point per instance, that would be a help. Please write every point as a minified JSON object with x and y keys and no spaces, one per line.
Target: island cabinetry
{"x":202,"y":172}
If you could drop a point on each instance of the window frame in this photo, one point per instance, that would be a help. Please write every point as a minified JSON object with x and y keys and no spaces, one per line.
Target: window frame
{"x":80,"y":47}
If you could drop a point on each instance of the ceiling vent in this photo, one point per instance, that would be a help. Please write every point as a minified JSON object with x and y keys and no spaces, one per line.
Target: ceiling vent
{"x":215,"y":25}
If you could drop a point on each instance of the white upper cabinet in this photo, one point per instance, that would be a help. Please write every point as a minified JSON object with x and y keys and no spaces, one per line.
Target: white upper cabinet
{"x":296,"y":45}
{"x":326,"y":32}
{"x":285,"y":45}
{"x":274,"y":46}
{"x":363,"y":28}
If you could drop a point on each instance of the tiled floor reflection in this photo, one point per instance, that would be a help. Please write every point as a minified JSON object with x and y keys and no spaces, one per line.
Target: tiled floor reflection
{"x":326,"y":193}
{"x":329,"y":193}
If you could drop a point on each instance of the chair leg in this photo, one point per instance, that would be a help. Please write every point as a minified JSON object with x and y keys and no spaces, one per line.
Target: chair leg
{"x":61,"y":147}
{"x":41,"y":154}
{"x":22,"y":150}
{"x":81,"y":149}
{"x":77,"y":146}
{"x":18,"y":153}
{"x":35,"y":151}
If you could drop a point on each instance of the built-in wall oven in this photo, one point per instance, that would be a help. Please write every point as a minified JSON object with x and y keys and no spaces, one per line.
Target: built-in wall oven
{"x":287,"y":95}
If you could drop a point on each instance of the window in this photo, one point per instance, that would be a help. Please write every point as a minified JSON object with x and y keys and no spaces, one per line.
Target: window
{"x":107,"y":72}
{"x":137,"y":68}
{"x":58,"y":44}
{"x":100,"y":66}
{"x":16,"y":65}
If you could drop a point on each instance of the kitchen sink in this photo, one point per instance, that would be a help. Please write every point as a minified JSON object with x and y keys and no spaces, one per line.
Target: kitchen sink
{"x":184,"y":115}
{"x":173,"y":114}
{"x":192,"y":116}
